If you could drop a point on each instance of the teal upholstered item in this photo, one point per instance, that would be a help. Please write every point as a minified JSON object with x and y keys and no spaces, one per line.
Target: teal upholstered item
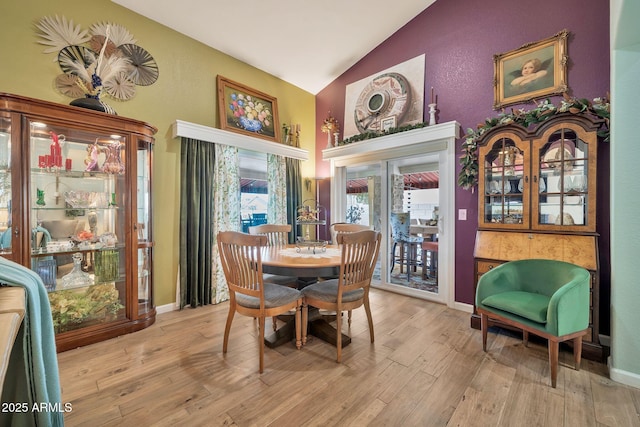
{"x":566,"y":285}
{"x":32,"y":375}
{"x":545,"y":297}
{"x":526,"y":304}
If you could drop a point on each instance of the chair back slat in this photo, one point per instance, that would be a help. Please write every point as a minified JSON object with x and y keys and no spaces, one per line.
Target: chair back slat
{"x":359,"y":255}
{"x":277,"y":234}
{"x":241,"y":262}
{"x":344,"y":227}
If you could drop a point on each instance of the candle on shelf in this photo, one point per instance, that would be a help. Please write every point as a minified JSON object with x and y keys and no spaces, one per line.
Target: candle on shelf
{"x":42,"y":163}
{"x":67,"y":164}
{"x":432,"y":98}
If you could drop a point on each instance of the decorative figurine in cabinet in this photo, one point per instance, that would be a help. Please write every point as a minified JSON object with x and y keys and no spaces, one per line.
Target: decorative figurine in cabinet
{"x":75,"y":186}
{"x":537,"y":199}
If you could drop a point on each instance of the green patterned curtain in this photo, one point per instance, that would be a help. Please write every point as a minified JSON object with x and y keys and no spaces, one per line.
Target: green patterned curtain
{"x":197,"y":160}
{"x":277,"y":187}
{"x":226,"y":193}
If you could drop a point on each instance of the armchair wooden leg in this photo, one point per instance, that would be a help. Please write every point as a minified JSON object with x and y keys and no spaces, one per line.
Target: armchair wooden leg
{"x":525,"y":338}
{"x":553,"y":361}
{"x":577,"y":351}
{"x":484,"y":324}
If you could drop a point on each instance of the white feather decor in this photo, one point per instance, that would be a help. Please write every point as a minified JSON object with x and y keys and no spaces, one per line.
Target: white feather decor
{"x":102,"y":60}
{"x":58,"y":33}
{"x":118,"y":34}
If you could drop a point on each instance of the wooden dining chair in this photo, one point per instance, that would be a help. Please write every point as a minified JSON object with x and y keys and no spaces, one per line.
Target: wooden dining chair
{"x":345,"y":227}
{"x":277,"y":235}
{"x":248,"y":294}
{"x":351,"y":289}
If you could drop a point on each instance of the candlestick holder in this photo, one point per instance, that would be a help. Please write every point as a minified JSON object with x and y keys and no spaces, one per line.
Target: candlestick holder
{"x":432,"y":114}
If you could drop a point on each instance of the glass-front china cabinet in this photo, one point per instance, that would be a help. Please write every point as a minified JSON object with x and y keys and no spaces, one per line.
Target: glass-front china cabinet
{"x":545,"y":183}
{"x":537,"y":199}
{"x":75,"y":207}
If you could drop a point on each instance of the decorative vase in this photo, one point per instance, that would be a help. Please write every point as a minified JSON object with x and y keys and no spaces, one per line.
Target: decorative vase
{"x":113,"y":163}
{"x":40,"y":194}
{"x":95,"y":104}
{"x":76,"y":278}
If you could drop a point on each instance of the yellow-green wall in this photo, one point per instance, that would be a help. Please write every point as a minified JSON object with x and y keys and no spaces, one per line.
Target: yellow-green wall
{"x":185,"y":90}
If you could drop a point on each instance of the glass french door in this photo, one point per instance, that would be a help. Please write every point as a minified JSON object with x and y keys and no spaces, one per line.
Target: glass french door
{"x":363,"y":200}
{"x":413,"y":208}
{"x":406,"y":154}
{"x":372,"y":192}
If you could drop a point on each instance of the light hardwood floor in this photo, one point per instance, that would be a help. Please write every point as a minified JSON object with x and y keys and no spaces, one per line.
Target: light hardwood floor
{"x":426,"y":368}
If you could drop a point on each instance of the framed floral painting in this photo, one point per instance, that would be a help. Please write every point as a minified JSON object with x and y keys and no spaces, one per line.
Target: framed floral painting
{"x":247,"y":111}
{"x":532,"y":71}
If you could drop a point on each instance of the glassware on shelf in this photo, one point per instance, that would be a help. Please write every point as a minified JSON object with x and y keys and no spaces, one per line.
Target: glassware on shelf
{"x":107,"y":266}
{"x":76,"y":278}
{"x":46,"y":269}
{"x":109,"y":239}
{"x":92,"y":218}
{"x":565,"y":184}
{"x":579,"y":183}
{"x":40,"y":199}
{"x":113,"y":163}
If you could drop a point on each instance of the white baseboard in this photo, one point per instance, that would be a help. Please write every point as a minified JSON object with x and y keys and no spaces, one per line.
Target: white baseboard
{"x":167,"y":308}
{"x":623,"y":377}
{"x":468,"y":308}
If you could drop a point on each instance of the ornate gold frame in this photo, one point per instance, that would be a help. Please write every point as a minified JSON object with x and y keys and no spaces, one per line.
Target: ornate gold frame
{"x":233,"y":96}
{"x":550,"y":53}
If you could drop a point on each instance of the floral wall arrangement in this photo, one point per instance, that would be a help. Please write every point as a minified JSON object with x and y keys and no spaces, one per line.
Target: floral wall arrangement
{"x":103,"y":60}
{"x":468,"y":177}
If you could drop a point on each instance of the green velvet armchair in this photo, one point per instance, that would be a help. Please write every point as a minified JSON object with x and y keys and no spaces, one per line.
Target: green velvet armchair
{"x":544,"y":297}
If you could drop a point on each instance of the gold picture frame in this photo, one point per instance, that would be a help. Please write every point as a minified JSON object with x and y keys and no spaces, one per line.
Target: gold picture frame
{"x":532,"y":71}
{"x":247,"y":111}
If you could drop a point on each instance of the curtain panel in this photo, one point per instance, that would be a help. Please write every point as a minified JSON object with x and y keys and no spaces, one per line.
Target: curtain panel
{"x":226,"y":197}
{"x":197,"y":161}
{"x":293,"y":194}
{"x":277,"y":187}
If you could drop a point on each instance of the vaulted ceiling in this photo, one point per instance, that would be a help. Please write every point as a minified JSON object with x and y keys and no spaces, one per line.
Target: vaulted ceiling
{"x":306,"y":43}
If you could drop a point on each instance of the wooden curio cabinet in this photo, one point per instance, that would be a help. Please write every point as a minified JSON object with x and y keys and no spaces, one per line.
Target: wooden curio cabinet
{"x":537,"y":199}
{"x":75,"y":207}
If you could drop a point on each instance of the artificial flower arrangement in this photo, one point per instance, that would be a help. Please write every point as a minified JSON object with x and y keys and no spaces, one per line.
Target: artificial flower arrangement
{"x":307,"y":214}
{"x":468,"y":177}
{"x":390,"y":131}
{"x":69,"y":307}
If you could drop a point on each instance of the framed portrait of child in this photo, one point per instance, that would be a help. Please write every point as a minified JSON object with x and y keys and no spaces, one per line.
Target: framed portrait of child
{"x":532,"y":71}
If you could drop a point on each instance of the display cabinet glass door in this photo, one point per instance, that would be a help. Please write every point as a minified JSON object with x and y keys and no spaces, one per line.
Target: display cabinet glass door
{"x":505,"y":182}
{"x":143,"y":226}
{"x":565,"y":161}
{"x":6,"y":230}
{"x":78,"y":224}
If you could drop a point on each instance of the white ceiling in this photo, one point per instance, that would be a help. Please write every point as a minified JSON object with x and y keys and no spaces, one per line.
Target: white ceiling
{"x":306,"y":43}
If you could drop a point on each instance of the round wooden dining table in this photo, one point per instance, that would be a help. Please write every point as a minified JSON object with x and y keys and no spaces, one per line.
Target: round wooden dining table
{"x":302,"y":262}
{"x":307,"y":266}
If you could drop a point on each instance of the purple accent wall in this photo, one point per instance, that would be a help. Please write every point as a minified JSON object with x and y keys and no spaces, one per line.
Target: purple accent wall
{"x":459,"y":39}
